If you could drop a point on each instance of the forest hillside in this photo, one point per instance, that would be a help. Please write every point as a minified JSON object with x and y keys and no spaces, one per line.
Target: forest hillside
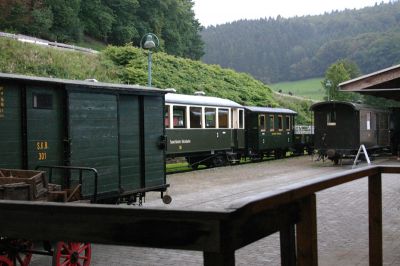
{"x":285,"y":49}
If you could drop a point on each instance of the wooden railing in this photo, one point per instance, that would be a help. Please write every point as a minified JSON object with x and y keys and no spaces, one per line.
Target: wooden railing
{"x":217,"y":233}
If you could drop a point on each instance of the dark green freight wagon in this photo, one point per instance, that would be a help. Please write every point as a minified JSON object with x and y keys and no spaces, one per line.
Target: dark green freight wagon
{"x":116,"y":129}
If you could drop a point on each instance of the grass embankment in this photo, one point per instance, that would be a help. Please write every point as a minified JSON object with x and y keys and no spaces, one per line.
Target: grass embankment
{"x":129,"y":65}
{"x":308,"y":88}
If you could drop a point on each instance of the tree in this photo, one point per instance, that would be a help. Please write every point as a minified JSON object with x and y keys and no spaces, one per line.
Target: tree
{"x":340,"y":71}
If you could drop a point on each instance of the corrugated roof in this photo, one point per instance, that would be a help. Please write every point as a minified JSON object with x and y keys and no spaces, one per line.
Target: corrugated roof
{"x":200,"y":100}
{"x":258,"y":109}
{"x":103,"y":85}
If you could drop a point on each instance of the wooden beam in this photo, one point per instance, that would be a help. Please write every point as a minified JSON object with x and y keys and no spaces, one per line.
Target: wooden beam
{"x":375,"y":220}
{"x":371,"y":80}
{"x":288,"y":246}
{"x":226,"y":258}
{"x":246,"y":226}
{"x":297,"y":191}
{"x":307,"y":244}
{"x":122,"y":225}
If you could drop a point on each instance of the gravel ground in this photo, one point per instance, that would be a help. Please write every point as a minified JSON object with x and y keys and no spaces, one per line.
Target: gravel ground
{"x":342,"y":214}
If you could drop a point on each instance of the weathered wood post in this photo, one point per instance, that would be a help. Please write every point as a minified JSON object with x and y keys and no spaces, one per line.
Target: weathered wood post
{"x":223,"y":258}
{"x":288,"y":245}
{"x":307,"y":246}
{"x":375,"y":219}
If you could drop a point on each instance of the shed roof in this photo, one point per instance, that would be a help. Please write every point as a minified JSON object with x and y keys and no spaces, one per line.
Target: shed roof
{"x":257,"y":109}
{"x":200,"y":100}
{"x":82,"y":83}
{"x":383,"y":83}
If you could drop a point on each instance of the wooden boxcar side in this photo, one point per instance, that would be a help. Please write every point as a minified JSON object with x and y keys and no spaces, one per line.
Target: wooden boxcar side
{"x":117,"y":129}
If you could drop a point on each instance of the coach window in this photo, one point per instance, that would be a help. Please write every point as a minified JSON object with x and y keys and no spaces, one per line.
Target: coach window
{"x":166,"y":116}
{"x":271,"y":123}
{"x":210,"y":115}
{"x":241,"y":118}
{"x":288,"y":124}
{"x":331,"y":118}
{"x":195,"y":117}
{"x":369,"y":121}
{"x":179,"y":116}
{"x":262,"y":123}
{"x":280,"y":123}
{"x":223,"y":118}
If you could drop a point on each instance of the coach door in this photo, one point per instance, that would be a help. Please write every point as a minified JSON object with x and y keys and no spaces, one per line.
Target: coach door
{"x":44,"y":126}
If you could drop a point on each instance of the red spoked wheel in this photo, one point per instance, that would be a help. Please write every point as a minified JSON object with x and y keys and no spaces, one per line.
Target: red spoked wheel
{"x":20,"y":252}
{"x":4,"y":261}
{"x":72,"y":254}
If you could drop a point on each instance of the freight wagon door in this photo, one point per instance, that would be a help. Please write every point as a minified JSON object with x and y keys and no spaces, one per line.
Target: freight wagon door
{"x":130,"y":148}
{"x":93,"y":138}
{"x":153,"y":112}
{"x":44,"y":126}
{"x":10,"y":127}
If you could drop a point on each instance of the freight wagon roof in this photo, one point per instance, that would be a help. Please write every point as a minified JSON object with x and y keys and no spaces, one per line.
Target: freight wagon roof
{"x":355,"y":106}
{"x":200,"y":100}
{"x":257,"y":109}
{"x":81,"y":83}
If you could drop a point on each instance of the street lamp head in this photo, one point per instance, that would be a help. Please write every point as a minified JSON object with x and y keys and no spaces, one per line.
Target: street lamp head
{"x":149,"y":43}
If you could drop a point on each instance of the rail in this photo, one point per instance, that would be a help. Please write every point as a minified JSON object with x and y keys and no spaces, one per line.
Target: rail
{"x":290,"y":210}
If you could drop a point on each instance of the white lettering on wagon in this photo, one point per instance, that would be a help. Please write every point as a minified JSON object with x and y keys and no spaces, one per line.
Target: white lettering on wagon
{"x":180,"y":141}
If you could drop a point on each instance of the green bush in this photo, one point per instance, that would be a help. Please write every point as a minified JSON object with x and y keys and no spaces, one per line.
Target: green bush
{"x":128,"y":64}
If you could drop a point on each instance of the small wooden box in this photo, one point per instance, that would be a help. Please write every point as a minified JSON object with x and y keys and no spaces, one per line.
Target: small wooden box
{"x":36,"y":179}
{"x":16,"y":191}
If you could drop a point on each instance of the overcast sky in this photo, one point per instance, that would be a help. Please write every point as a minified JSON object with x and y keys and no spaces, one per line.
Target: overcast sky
{"x":213,"y":12}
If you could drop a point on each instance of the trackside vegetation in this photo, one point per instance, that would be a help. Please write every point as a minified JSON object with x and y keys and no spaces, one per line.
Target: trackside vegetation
{"x":128,"y":65}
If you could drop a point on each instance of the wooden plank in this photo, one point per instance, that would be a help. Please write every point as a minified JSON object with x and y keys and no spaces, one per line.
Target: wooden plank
{"x":122,"y":225}
{"x":291,"y":193}
{"x":307,"y":245}
{"x":375,"y":220}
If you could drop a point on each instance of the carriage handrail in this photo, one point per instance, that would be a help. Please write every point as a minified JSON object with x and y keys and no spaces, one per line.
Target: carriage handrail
{"x":290,"y":210}
{"x":80,"y":169}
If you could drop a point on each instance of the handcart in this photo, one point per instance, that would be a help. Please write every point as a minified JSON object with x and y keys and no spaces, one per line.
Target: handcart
{"x":30,"y":185}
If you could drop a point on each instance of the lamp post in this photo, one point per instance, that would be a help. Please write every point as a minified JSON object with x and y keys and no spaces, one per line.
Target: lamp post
{"x":328,"y":85}
{"x":149,"y":41}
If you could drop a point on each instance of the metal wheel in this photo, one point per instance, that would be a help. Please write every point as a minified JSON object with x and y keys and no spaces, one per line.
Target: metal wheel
{"x":72,"y":254}
{"x":4,"y":261}
{"x":19,"y":252}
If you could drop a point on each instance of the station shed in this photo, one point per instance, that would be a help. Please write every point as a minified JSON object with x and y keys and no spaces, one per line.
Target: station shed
{"x":383,"y":83}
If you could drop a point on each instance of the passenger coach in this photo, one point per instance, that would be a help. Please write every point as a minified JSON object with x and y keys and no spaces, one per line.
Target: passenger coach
{"x":269,"y":131}
{"x":341,"y":127}
{"x":203,"y":129}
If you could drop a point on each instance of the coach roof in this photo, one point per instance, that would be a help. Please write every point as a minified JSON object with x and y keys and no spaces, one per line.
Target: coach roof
{"x":257,"y":109}
{"x":199,"y":100}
